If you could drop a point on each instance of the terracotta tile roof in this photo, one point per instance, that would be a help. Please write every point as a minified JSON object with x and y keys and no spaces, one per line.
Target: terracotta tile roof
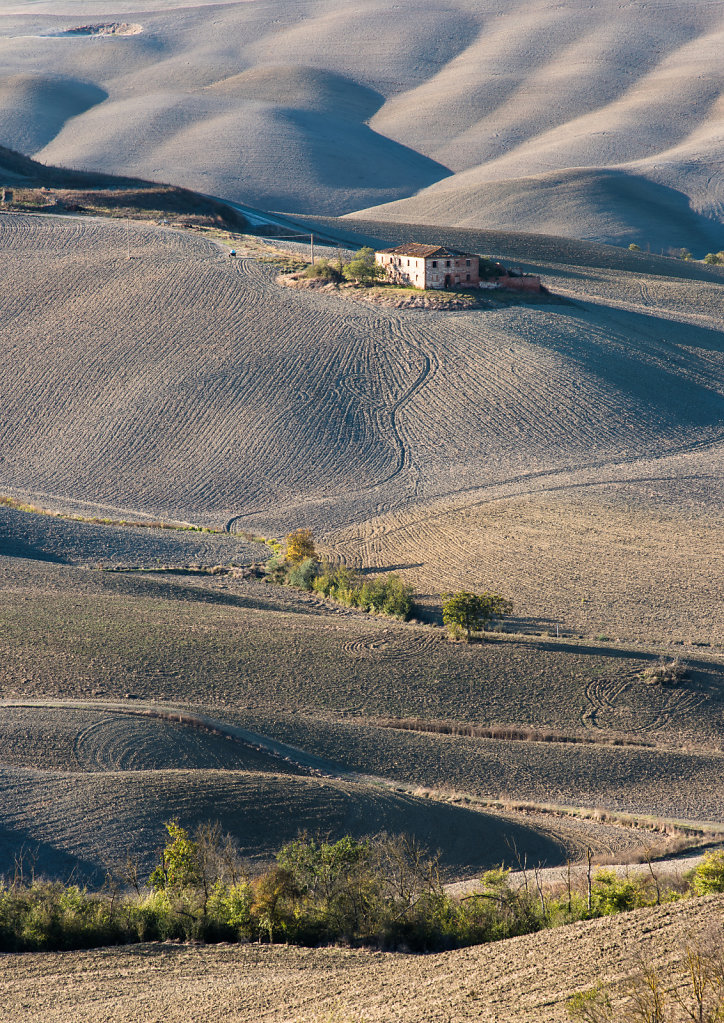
{"x":423,"y":251}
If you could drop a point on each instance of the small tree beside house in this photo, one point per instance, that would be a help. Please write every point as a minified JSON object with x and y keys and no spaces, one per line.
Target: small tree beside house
{"x":363,"y":269}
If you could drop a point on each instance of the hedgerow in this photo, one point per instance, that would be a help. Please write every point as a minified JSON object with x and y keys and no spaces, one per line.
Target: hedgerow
{"x":384,"y":892}
{"x":300,"y":567}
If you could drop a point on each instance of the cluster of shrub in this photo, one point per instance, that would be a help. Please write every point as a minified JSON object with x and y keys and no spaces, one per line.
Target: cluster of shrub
{"x":361,"y":269}
{"x":384,"y":892}
{"x":298,"y":565}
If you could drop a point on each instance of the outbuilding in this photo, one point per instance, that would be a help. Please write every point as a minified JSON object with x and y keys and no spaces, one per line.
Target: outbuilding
{"x":429,"y":266}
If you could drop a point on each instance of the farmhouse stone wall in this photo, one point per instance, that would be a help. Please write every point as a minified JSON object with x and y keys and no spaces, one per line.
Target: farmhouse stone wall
{"x":440,"y":269}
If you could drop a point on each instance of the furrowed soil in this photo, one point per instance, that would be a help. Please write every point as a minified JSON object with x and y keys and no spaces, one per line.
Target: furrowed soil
{"x":567,"y":454}
{"x":80,"y":825}
{"x":322,"y":679}
{"x":460,"y":447}
{"x":522,"y":980}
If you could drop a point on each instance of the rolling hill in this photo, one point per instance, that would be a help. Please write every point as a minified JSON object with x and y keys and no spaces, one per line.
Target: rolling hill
{"x":163,"y":408}
{"x":179,"y":384}
{"x":582,"y":120}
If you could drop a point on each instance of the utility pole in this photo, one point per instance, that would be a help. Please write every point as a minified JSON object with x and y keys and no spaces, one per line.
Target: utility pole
{"x":311,"y":247}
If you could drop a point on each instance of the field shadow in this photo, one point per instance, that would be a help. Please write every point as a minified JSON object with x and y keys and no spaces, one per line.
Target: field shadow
{"x":708,"y":674}
{"x":651,"y":387}
{"x":10,"y":547}
{"x":23,"y":854}
{"x":137,"y":585}
{"x":651,"y":325}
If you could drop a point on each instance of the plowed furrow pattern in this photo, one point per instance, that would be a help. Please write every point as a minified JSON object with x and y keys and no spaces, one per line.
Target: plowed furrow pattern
{"x":182,"y":382}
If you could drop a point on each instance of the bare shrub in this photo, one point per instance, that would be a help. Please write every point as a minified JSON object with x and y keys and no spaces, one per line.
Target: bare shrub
{"x":652,"y":995}
{"x":665,"y":673}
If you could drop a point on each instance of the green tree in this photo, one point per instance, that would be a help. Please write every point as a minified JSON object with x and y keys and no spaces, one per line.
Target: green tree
{"x":633,"y":247}
{"x":708,"y":877}
{"x":363,"y":269}
{"x":179,"y":865}
{"x":303,"y":574}
{"x":714,"y":258}
{"x":323,"y":270}
{"x":614,"y":894}
{"x":471,"y":612}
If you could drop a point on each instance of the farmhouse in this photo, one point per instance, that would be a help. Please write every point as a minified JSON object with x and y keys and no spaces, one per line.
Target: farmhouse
{"x":429,"y":266}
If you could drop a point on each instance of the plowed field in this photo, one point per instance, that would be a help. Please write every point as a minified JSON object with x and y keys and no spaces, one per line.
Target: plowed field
{"x":464,"y":447}
{"x":117,"y":778}
{"x":566,"y":454}
{"x":320,"y":677}
{"x":523,"y":980}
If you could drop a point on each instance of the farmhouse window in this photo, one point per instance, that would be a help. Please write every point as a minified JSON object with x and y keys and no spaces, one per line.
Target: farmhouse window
{"x":447,"y":262}
{"x":467,"y":277}
{"x":467,"y":262}
{"x":434,"y":263}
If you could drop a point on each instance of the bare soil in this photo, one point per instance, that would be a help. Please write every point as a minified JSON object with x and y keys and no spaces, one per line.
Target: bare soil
{"x":465,"y":448}
{"x":523,"y":980}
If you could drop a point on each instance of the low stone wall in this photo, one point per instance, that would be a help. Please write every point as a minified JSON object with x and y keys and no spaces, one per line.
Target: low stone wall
{"x":527,"y":283}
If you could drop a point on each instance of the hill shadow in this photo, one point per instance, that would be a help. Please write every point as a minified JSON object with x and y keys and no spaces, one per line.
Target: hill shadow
{"x":22,"y":853}
{"x":138,"y":585}
{"x":678,"y":401}
{"x":11,"y":547}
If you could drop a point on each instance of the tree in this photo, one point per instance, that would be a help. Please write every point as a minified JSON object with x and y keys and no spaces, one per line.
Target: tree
{"x":472,"y":612}
{"x":708,"y":877}
{"x":179,"y":865}
{"x":323,"y":270}
{"x":633,"y":247}
{"x":300,"y":546}
{"x":363,"y":269}
{"x":303,"y":574}
{"x":714,"y":258}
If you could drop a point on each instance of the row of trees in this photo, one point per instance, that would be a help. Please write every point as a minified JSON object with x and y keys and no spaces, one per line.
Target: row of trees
{"x":298,"y":564}
{"x":712,"y":258}
{"x":384,"y":892}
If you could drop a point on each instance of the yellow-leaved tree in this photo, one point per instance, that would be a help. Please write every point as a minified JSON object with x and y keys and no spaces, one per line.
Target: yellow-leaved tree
{"x":300,"y":546}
